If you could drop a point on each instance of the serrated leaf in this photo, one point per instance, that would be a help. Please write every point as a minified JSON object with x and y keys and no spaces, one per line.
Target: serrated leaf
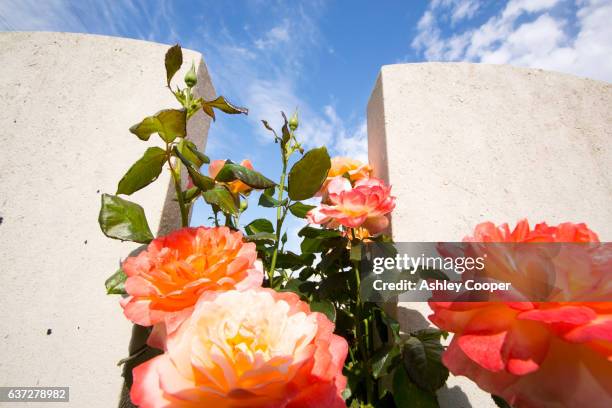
{"x":260,"y":236}
{"x":168,"y":123}
{"x":191,"y":153}
{"x":259,"y":225}
{"x":223,"y":105}
{"x":308,"y":174}
{"x":423,"y":359}
{"x":124,"y":220}
{"x":232,"y":171}
{"x":270,"y":202}
{"x":384,"y":359}
{"x":407,"y":395}
{"x":203,"y":182}
{"x":173,"y":62}
{"x":143,"y":172}
{"x":222,"y":198}
{"x":115,"y":284}
{"x":201,"y":156}
{"x":300,"y":209}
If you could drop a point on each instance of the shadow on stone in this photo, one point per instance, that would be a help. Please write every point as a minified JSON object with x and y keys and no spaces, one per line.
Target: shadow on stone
{"x":453,"y":397}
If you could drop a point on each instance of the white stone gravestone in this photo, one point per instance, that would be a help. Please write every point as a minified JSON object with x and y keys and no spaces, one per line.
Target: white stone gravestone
{"x":466,"y":143}
{"x":67,"y":103}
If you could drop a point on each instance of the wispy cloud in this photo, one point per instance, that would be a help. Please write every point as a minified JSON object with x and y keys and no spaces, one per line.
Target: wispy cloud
{"x":557,"y":35}
{"x":262,"y":64}
{"x":277,"y":35}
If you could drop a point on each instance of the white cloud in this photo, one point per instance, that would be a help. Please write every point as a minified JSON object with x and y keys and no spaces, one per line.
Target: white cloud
{"x":544,"y":34}
{"x":274,"y":37}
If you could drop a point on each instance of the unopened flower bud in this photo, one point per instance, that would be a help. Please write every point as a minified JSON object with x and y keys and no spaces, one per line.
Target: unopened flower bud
{"x":191,"y":78}
{"x":293,"y":121}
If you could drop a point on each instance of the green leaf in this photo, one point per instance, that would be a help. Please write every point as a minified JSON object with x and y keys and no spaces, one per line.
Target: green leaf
{"x":311,"y":232}
{"x":384,"y":359}
{"x":124,"y":220}
{"x":143,"y":172}
{"x":308,"y":174}
{"x":252,"y":178}
{"x":261,"y":236}
{"x":115,"y":284}
{"x":270,"y":202}
{"x":223,"y":105}
{"x":259,"y":225}
{"x":191,"y":194}
{"x":392,"y":324}
{"x":408,"y":395}
{"x":423,"y":359}
{"x":300,"y":209}
{"x":222,"y":198}
{"x":285,"y":130}
{"x":201,"y":156}
{"x":173,"y":60}
{"x":326,"y":307}
{"x":188,"y":149}
{"x":203,"y":182}
{"x":168,"y":123}
{"x":500,"y":402}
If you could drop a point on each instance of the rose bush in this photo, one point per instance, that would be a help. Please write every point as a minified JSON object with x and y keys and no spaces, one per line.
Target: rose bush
{"x":302,"y":335}
{"x":258,"y":348}
{"x":538,"y":354}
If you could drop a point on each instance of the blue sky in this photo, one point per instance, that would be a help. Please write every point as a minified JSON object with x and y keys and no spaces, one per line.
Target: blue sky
{"x":323,"y":57}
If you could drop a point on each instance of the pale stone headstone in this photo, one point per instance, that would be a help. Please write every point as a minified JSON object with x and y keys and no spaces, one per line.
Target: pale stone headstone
{"x":67,"y":103}
{"x":466,"y":143}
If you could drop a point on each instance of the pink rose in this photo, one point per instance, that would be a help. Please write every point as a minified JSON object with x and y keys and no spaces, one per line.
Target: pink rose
{"x":253,"y":349}
{"x":364,"y":205}
{"x":538,"y":354}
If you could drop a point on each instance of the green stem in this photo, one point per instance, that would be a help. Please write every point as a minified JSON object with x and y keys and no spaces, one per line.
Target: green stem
{"x":176,"y":176}
{"x":280,"y":217}
{"x":363,"y":331}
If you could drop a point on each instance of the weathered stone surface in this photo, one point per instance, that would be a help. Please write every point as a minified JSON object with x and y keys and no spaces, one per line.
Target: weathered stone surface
{"x":67,"y":103}
{"x":465,"y":143}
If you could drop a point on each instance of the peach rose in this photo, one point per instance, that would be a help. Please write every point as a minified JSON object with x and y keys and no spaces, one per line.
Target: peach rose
{"x":236,"y":186}
{"x":253,"y":349}
{"x":340,"y":166}
{"x":539,"y":354}
{"x":168,"y":277}
{"x":364,"y":205}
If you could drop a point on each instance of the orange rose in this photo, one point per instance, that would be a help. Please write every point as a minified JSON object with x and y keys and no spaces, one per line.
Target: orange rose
{"x":340,"y":166}
{"x":170,"y":275}
{"x":539,"y":354}
{"x":253,"y":349}
{"x":236,"y":186}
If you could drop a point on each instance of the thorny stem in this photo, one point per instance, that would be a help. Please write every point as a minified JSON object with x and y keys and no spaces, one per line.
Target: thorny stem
{"x":280,"y":217}
{"x":176,"y":176}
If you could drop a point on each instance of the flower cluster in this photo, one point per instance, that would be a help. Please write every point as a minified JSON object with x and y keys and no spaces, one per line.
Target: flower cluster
{"x":536,"y":354}
{"x":353,"y":199}
{"x":227,"y":341}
